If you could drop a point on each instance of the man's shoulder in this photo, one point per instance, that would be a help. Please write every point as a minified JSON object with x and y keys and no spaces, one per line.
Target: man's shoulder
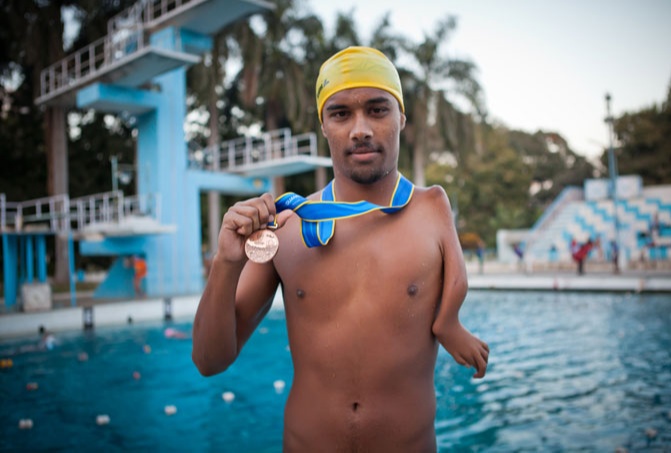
{"x":431,"y":194}
{"x":432,"y":201}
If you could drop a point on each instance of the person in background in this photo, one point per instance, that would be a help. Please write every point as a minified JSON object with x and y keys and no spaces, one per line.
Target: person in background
{"x":553,"y":256}
{"x":519,"y":252}
{"x":47,"y":339}
{"x":581,"y":255}
{"x":139,"y":274}
{"x":614,"y":256}
{"x":173,"y":333}
{"x":480,"y":252}
{"x":367,"y":311}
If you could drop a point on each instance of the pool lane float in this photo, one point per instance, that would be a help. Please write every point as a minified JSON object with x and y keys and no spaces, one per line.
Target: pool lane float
{"x":228,"y":396}
{"x":32,"y":386}
{"x":25,"y":423}
{"x":136,"y":375}
{"x":170,"y":409}
{"x":102,"y":419}
{"x":279,"y":385}
{"x":6,"y":363}
{"x":651,"y":433}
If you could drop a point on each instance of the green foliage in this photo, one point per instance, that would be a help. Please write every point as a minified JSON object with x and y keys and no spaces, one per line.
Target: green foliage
{"x":23,"y":171}
{"x":645,"y":143}
{"x":89,"y":153}
{"x":497,"y":178}
{"x":552,"y":163}
{"x":508,"y":181}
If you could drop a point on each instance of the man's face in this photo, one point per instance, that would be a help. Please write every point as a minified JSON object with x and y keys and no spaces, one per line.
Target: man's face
{"x":363,"y":126}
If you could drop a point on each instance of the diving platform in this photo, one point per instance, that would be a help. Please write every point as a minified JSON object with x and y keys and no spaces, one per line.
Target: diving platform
{"x":272,"y":153}
{"x":96,"y":219}
{"x":139,"y":69}
{"x":93,"y":216}
{"x":142,"y":44}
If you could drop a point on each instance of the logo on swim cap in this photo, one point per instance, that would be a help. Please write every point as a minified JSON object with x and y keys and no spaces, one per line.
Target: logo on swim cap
{"x":357,"y":67}
{"x":321,"y":87}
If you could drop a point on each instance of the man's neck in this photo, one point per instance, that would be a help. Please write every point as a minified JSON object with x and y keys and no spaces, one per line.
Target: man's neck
{"x":379,"y":192}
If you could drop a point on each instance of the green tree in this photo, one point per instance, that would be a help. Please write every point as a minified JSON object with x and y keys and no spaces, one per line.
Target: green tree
{"x":645,"y":143}
{"x":551,"y":162}
{"x":32,"y":38}
{"x":493,"y":193}
{"x":434,"y":71}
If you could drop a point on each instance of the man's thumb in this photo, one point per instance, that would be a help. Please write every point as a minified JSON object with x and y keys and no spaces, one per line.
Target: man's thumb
{"x":282,"y":217}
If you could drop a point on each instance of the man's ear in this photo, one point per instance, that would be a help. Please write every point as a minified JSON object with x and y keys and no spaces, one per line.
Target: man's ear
{"x":403,"y":121}
{"x":324,"y":132}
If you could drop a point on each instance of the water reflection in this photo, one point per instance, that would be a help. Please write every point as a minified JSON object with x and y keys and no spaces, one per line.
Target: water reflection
{"x":567,"y":371}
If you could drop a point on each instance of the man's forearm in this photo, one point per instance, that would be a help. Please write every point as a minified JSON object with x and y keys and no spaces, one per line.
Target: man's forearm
{"x":214,"y":328}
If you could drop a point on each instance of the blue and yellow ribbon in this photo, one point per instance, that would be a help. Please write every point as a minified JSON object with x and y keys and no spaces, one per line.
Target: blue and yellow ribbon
{"x":318,"y":217}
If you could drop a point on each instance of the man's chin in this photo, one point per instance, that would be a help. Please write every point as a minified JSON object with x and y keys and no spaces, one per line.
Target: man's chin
{"x":368,"y":176}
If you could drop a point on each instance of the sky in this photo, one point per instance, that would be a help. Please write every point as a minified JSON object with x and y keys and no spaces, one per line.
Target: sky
{"x":544,"y":65}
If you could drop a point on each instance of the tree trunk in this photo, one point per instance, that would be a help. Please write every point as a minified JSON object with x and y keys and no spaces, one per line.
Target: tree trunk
{"x":320,"y":178}
{"x":213,"y":141}
{"x":419,"y":150}
{"x":273,"y":111}
{"x":57,"y":183}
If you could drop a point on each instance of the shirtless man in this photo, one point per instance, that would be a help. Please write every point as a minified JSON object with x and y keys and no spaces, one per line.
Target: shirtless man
{"x":366,"y":312}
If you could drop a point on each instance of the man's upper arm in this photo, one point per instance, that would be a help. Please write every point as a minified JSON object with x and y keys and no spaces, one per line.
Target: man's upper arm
{"x":455,"y":280}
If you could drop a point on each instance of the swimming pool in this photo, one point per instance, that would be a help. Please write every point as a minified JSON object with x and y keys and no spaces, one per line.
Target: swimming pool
{"x":568,"y":372}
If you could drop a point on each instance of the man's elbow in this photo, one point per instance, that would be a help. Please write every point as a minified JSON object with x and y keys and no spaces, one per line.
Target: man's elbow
{"x":459,"y":287}
{"x":207,"y":367}
{"x":448,"y":314}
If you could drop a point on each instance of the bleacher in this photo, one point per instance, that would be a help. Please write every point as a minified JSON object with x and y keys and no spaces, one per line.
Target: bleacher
{"x":643,"y":218}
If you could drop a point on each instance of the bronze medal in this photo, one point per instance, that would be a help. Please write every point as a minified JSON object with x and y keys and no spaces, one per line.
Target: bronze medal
{"x":261,"y":246}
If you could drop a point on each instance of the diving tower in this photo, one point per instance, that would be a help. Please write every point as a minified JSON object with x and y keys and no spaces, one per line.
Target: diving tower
{"x":130,"y":55}
{"x":139,"y":69}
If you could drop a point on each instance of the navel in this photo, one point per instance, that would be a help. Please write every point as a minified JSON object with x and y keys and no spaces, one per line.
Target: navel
{"x":300,"y":293}
{"x":412,"y":290}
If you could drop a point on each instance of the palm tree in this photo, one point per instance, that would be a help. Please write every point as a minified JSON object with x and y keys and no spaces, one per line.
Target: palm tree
{"x":274,"y":69}
{"x":423,"y":90}
{"x":34,"y":40}
{"x":205,"y":81}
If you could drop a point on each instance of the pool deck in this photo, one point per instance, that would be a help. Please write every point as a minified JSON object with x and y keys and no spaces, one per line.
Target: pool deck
{"x":635,"y":281}
{"x":89,"y":312}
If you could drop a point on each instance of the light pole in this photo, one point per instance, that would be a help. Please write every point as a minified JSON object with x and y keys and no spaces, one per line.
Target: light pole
{"x":612,"y":173}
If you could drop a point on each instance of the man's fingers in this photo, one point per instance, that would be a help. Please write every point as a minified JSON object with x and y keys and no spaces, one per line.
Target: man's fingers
{"x":485,"y":352}
{"x":259,"y":211}
{"x":282,"y":217}
{"x":480,"y":362}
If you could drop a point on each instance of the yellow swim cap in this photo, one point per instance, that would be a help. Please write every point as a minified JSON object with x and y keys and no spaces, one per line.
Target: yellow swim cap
{"x":357,"y":67}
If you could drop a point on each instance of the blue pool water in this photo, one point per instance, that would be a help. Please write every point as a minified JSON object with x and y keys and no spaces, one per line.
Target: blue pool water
{"x":568,"y":372}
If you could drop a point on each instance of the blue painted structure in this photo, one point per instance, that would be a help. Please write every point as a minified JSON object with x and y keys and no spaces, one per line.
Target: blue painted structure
{"x":23,"y":254}
{"x":139,"y":69}
{"x":174,"y":261}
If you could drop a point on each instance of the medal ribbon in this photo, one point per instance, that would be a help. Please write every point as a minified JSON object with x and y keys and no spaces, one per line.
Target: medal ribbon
{"x":318,"y":217}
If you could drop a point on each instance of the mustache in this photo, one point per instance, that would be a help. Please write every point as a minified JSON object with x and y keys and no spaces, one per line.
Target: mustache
{"x":363,"y":148}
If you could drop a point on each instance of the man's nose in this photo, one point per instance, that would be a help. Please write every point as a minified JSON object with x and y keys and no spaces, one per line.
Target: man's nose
{"x":361,"y":130}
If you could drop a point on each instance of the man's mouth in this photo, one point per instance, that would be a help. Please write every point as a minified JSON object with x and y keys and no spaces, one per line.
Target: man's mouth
{"x":363,"y":150}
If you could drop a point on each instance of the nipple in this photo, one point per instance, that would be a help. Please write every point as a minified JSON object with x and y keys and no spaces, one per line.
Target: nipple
{"x":300,"y":293}
{"x":412,"y":290}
